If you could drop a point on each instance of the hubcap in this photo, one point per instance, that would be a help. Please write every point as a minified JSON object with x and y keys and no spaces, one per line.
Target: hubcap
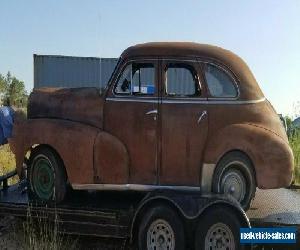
{"x":219,"y":236}
{"x":160,"y":236}
{"x":43,"y":177}
{"x":234,"y":183}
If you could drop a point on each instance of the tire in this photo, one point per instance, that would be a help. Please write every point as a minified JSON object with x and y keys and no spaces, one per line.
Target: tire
{"x":219,"y":228}
{"x":234,"y":175}
{"x":161,"y":226}
{"x":47,"y":182}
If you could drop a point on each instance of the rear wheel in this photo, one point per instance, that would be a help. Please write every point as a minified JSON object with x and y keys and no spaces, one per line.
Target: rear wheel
{"x":234,"y":175}
{"x":161,"y":228}
{"x":46,"y":176}
{"x":219,"y":228}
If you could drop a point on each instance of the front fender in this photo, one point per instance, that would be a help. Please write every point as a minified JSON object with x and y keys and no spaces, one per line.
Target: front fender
{"x":73,"y":141}
{"x":270,"y":154}
{"x":111,"y":160}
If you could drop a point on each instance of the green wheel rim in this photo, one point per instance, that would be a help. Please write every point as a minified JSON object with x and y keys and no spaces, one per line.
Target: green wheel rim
{"x":43,"y":178}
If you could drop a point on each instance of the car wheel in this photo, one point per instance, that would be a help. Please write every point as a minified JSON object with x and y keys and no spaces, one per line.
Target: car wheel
{"x":161,"y":228}
{"x":234,"y":175}
{"x":47,"y":180}
{"x":218,"y":228}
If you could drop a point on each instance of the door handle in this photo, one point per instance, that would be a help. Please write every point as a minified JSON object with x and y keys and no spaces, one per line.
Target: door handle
{"x":201,"y":117}
{"x":154,"y":111}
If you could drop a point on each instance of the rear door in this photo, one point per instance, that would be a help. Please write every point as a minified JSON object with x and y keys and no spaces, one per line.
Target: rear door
{"x":184,"y":123}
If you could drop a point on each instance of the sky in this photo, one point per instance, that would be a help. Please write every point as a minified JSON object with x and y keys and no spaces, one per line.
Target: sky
{"x":266,"y":34}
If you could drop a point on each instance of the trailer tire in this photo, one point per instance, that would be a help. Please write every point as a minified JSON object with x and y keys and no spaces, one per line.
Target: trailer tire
{"x":46,"y":176}
{"x":218,"y":228}
{"x":161,"y":226}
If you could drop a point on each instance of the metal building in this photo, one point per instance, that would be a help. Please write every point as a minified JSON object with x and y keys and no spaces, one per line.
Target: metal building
{"x":69,"y":71}
{"x":72,"y":72}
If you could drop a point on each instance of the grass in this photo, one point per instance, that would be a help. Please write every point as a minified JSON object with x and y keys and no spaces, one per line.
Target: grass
{"x":42,"y":234}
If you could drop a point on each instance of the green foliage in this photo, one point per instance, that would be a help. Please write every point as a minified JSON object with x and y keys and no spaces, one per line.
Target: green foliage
{"x":7,"y":162}
{"x":294,"y":139}
{"x":12,"y":91}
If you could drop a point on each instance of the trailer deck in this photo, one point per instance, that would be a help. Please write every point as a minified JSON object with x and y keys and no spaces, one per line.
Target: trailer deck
{"x":82,"y":213}
{"x":107,"y":214}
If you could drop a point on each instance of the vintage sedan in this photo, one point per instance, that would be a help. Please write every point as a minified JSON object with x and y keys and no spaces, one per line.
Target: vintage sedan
{"x":180,"y":116}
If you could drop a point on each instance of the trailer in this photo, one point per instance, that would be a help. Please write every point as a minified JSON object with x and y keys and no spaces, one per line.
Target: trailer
{"x":126,"y":215}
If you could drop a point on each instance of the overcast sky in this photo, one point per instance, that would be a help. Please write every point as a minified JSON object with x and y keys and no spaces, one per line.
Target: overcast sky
{"x":266,"y":34}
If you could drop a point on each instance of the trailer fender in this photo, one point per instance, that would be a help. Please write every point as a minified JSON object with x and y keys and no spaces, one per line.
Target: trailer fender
{"x":190,"y":207}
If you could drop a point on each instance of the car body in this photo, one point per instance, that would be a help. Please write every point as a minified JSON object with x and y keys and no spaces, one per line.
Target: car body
{"x":169,"y":115}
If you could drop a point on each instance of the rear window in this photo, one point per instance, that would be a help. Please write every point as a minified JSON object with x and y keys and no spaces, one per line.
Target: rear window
{"x":219,"y":82}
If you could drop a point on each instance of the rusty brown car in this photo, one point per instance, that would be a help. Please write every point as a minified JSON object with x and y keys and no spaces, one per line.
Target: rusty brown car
{"x":180,"y":116}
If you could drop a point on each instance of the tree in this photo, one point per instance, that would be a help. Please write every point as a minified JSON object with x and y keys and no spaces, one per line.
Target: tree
{"x":12,"y":90}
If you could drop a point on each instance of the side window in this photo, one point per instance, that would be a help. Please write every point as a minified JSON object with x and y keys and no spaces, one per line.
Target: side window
{"x":137,"y":79}
{"x":219,"y":83}
{"x":181,"y":80}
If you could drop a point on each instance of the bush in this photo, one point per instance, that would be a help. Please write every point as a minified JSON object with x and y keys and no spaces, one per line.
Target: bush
{"x":294,"y":139}
{"x":7,"y":162}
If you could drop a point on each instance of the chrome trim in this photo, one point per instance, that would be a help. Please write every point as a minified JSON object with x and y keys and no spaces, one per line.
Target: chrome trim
{"x":203,"y":114}
{"x":186,"y":101}
{"x":207,"y":177}
{"x":154,"y":111}
{"x":131,"y":187}
{"x":197,"y":59}
{"x":117,"y":99}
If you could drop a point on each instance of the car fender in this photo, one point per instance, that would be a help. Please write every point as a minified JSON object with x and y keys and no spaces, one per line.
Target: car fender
{"x":73,"y":141}
{"x":111,"y":159}
{"x":270,"y":154}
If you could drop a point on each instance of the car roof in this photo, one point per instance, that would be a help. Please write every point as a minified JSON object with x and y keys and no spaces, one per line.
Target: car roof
{"x":249,"y":88}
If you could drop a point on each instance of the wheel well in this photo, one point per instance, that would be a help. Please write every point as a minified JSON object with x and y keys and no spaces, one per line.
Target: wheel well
{"x":240,"y":152}
{"x":149,"y":204}
{"x":39,"y":146}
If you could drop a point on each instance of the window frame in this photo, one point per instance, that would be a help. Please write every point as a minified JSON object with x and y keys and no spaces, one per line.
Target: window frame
{"x":130,"y":94}
{"x":190,"y":63}
{"x":228,"y":72}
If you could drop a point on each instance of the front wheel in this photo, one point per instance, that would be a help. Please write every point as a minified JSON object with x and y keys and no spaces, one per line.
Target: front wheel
{"x":161,"y":228}
{"x":46,"y":177}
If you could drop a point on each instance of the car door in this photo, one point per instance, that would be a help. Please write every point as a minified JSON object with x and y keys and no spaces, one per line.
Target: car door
{"x":131,"y":111}
{"x":184,"y":123}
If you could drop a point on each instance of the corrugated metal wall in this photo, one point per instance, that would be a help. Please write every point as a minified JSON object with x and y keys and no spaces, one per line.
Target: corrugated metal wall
{"x":71,"y":72}
{"x":66,"y":71}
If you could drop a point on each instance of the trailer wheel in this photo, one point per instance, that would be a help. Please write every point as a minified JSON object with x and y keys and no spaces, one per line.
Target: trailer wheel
{"x":47,"y":180}
{"x":235,"y":176}
{"x":161,"y":228}
{"x":219,"y":228}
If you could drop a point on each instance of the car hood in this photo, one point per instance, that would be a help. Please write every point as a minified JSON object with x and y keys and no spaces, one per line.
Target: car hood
{"x":83,"y":105}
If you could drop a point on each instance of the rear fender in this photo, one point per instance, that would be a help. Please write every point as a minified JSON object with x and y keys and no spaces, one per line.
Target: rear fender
{"x":270,"y":154}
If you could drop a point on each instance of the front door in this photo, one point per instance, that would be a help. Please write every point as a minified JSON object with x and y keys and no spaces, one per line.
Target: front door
{"x":184,"y":123}
{"x":131,"y":114}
